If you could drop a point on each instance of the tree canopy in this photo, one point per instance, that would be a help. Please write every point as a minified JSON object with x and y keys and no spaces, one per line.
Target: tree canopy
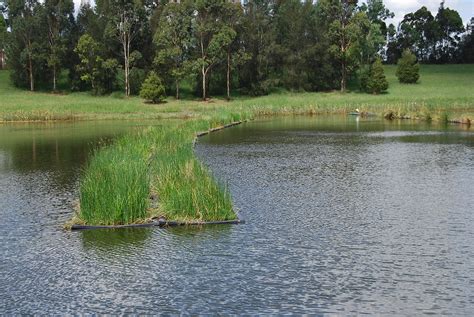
{"x":215,"y":47}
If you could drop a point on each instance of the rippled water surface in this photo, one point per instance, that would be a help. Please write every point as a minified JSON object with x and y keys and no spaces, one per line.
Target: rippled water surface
{"x":343,"y":216}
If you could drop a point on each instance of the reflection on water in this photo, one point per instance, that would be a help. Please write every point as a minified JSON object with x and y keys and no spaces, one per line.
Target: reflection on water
{"x":344,"y":216}
{"x":113,"y":239}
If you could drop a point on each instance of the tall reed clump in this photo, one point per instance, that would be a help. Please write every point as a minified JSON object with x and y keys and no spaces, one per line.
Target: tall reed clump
{"x":115,"y":187}
{"x":118,"y":182}
{"x":187,"y":191}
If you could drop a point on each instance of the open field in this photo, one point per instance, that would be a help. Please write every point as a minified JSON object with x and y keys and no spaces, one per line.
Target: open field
{"x":155,"y":173}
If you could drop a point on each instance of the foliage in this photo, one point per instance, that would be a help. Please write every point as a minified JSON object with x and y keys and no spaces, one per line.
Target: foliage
{"x":407,"y":68}
{"x":58,"y":16}
{"x":174,"y":40}
{"x":126,"y":20}
{"x":435,"y":39}
{"x":224,"y":47}
{"x":377,"y":82}
{"x":137,"y":77}
{"x":93,"y":68}
{"x":27,"y":49}
{"x":153,"y":89}
{"x":443,"y":89}
{"x":3,"y":33}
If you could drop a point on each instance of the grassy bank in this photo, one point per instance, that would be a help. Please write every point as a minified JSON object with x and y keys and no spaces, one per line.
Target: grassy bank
{"x":444,"y":92}
{"x":155,"y":173}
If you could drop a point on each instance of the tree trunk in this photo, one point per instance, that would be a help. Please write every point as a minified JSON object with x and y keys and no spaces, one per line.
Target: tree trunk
{"x":177,"y":89}
{"x":228,"y":74}
{"x":54,"y":78}
{"x":126,"y":64}
{"x":203,"y":83}
{"x":343,"y":76}
{"x":32,"y":81}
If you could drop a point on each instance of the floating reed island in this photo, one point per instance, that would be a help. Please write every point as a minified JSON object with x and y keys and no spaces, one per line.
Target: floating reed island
{"x":153,"y":178}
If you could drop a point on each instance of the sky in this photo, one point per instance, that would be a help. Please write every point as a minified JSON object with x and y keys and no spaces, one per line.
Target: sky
{"x":402,"y":7}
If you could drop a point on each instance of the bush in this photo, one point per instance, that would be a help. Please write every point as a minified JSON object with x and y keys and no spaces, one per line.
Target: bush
{"x":376,"y":82}
{"x":153,"y":89}
{"x":408,"y":69}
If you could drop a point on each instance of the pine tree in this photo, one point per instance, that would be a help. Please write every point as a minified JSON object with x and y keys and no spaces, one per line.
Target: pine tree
{"x":377,"y":81}
{"x":408,"y":69}
{"x":153,"y":89}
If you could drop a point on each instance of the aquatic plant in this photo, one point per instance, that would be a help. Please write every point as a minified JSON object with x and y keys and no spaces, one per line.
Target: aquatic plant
{"x":159,"y":162}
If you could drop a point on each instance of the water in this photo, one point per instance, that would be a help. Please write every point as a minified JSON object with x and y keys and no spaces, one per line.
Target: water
{"x":343,"y":217}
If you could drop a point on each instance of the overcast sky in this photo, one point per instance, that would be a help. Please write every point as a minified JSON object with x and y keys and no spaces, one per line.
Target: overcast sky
{"x":402,"y":7}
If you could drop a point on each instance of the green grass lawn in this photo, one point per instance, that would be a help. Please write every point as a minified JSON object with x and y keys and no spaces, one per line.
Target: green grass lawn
{"x":442,"y":90}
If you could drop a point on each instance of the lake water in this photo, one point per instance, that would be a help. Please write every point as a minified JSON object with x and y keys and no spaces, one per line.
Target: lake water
{"x":343,"y":216}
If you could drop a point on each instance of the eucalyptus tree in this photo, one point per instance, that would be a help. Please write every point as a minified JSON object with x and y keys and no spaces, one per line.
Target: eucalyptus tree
{"x":235,"y":54}
{"x":343,"y":33}
{"x":174,"y":41}
{"x":3,"y":39}
{"x":94,"y":68}
{"x":450,"y":28}
{"x":257,"y":37}
{"x":377,"y":13}
{"x":126,"y":22}
{"x":367,"y":38}
{"x":467,"y":44}
{"x":212,"y":36}
{"x":26,"y":50}
{"x":417,"y":31}
{"x":58,"y":16}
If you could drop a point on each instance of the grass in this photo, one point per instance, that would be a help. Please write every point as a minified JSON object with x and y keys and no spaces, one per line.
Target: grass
{"x":123,"y":182}
{"x":115,"y":188}
{"x":155,"y":173}
{"x":443,"y":92}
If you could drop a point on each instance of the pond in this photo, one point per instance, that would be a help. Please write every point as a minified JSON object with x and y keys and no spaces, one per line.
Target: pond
{"x":343,"y":216}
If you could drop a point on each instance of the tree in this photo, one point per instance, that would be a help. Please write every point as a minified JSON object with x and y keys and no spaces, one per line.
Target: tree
{"x":212,"y":36}
{"x":467,"y":44}
{"x":153,"y":89}
{"x":418,"y":32}
{"x":258,"y":34}
{"x":126,"y":22}
{"x":233,"y":14}
{"x":377,"y":82}
{"x":293,"y":48}
{"x":344,"y":33}
{"x":174,"y":40}
{"x":367,"y":39}
{"x":392,"y":50}
{"x":58,"y":13}
{"x":450,"y":28}
{"x":377,"y":13}
{"x":94,"y":69}
{"x":27,"y":47}
{"x":3,"y":40}
{"x":408,"y":68}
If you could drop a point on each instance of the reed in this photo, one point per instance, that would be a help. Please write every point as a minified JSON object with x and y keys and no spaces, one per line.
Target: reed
{"x":115,"y":187}
{"x":120,"y":180}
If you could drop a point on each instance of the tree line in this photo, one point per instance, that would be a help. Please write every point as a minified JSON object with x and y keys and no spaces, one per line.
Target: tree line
{"x":219,"y":46}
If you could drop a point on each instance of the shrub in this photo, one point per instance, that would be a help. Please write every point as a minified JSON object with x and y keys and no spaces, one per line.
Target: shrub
{"x":153,"y":89}
{"x":408,"y":69}
{"x":376,"y":82}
